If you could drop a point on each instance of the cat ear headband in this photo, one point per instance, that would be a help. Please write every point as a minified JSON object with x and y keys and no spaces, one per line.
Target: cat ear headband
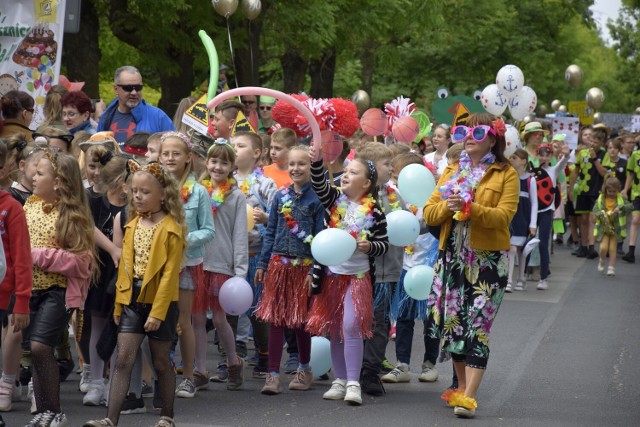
{"x":153,"y":168}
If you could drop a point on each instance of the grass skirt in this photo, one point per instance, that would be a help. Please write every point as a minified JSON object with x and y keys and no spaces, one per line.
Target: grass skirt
{"x":207,"y":298}
{"x":285,"y":298}
{"x":328,"y":306}
{"x":199,"y":293}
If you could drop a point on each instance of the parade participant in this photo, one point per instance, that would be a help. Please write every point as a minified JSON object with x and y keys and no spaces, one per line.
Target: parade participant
{"x":441,"y":140}
{"x":62,"y":250}
{"x":175,"y":155}
{"x":146,"y":301}
{"x":613,"y":161}
{"x":611,"y":211}
{"x":282,"y":141}
{"x":129,"y":113}
{"x":76,"y":112}
{"x":285,"y":266}
{"x":226,"y":257}
{"x":55,"y":138}
{"x":224,"y":118}
{"x":17,"y":112}
{"x":343,"y":309}
{"x":471,"y":273}
{"x":266,"y":121}
{"x":25,"y":157}
{"x":632,"y":189}
{"x":153,"y":147}
{"x":259,"y":191}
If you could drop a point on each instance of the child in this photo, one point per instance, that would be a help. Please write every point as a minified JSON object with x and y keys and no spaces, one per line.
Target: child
{"x":613,"y":162}
{"x":296,"y":216}
{"x":224,"y":118}
{"x":136,"y":145}
{"x":525,"y":221}
{"x":62,"y":250}
{"x":146,"y":301}
{"x":405,"y":310}
{"x":25,"y":157}
{"x":611,"y":211}
{"x":227,"y":256}
{"x":175,"y":155}
{"x":281,"y":142}
{"x":259,"y":191}
{"x":633,"y":184}
{"x":546,"y":179}
{"x":387,"y":275}
{"x":153,"y":147}
{"x":16,"y":285}
{"x":441,"y":141}
{"x":344,"y":307}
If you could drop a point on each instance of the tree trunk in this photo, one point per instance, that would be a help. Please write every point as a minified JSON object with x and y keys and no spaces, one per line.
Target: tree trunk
{"x":176,"y":87}
{"x":81,"y":52}
{"x":368,"y":61}
{"x":322,"y":72}
{"x":294,"y":68}
{"x":247,"y":67}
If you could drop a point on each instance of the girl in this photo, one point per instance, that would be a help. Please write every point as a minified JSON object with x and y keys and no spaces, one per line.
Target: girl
{"x":175,"y":155}
{"x":55,"y":138}
{"x":441,"y":141}
{"x":111,"y":200}
{"x":296,"y":216}
{"x":61,"y":233}
{"x":146,"y":301}
{"x":25,"y":157}
{"x":546,"y":179}
{"x":524,"y":223}
{"x":611,"y":211}
{"x":613,"y":162}
{"x":226,"y":258}
{"x":344,"y":308}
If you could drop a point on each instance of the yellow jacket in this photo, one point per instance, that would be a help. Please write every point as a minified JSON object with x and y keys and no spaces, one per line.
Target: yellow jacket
{"x":495,"y":204}
{"x":161,"y":279}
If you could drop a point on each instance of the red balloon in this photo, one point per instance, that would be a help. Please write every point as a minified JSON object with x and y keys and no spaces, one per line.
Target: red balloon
{"x":405,"y":129}
{"x":331,"y":146}
{"x":374,"y":122}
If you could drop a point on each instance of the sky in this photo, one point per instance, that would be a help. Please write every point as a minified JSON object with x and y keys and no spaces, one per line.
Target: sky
{"x":602,"y":11}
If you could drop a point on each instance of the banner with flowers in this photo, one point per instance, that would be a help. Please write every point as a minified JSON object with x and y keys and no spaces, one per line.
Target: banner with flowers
{"x":31,"y":48}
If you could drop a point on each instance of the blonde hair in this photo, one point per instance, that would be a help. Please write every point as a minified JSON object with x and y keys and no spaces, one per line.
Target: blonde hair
{"x":113,"y":174}
{"x":611,"y":182}
{"x":183,"y":106}
{"x":286,"y":136}
{"x":78,"y":138}
{"x":454,"y":153}
{"x":53,"y":105}
{"x":405,"y":159}
{"x":172,"y":206}
{"x":375,"y":152}
{"x":188,"y":169}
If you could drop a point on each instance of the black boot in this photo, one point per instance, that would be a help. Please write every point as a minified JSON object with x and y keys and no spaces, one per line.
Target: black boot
{"x":370,"y":383}
{"x":629,"y":257}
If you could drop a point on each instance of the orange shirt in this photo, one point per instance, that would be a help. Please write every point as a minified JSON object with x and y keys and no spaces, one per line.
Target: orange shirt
{"x":280,"y":177}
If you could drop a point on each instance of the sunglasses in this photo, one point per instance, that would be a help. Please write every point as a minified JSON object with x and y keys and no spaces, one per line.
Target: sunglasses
{"x":131,"y":88}
{"x":478,"y":133}
{"x":247,"y":102}
{"x":265,"y":107}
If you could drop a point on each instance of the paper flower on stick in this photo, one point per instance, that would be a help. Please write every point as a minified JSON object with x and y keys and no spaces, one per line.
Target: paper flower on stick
{"x":397,"y":108}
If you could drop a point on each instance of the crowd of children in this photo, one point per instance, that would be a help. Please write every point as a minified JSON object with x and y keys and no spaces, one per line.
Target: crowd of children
{"x":136,"y":245}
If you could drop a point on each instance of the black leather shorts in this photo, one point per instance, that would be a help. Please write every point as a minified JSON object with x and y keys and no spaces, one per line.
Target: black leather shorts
{"x":49,"y":316}
{"x":135,"y":315}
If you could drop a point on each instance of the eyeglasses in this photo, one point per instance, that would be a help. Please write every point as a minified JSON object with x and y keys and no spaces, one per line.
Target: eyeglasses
{"x":70,"y":114}
{"x":265,"y":107}
{"x":478,"y":133}
{"x":247,"y":102}
{"x":131,"y":88}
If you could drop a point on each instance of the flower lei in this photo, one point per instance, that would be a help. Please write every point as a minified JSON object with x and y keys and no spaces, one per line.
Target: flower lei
{"x":290,"y":222}
{"x":465,"y":182}
{"x":187,"y":189}
{"x":362,"y":222}
{"x":248,"y":182}
{"x":219,"y":193}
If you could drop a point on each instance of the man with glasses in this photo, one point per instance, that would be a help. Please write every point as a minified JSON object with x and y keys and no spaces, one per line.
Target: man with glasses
{"x":129,"y":113}
{"x":266,"y":121}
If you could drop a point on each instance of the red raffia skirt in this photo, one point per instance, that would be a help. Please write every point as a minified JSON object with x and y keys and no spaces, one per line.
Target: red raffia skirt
{"x":285,"y":298}
{"x":328,"y":306}
{"x":197,"y":276}
{"x":207,"y":297}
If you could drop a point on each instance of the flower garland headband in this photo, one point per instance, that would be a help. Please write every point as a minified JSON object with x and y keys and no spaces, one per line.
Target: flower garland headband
{"x":181,"y":136}
{"x":290,"y":222}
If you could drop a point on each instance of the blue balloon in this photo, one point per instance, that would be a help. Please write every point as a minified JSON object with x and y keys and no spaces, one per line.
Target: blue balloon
{"x":42,"y":68}
{"x":236,"y":296}
{"x":416,"y":183}
{"x":320,"y":356}
{"x":403,"y":228}
{"x":418,"y":281}
{"x":332,"y":246}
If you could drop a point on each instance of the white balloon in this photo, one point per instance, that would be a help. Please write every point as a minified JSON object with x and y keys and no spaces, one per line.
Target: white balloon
{"x":510,"y":80}
{"x":523,"y":104}
{"x":512,"y":138}
{"x":493,"y":101}
{"x":403,"y":228}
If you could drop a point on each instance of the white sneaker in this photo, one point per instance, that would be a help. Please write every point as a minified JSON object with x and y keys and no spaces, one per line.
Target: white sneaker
{"x":85,"y":378}
{"x":429,"y":373}
{"x":601,"y":265}
{"x":542,"y":285}
{"x":354,"y":394}
{"x":399,"y":374}
{"x":94,"y":394}
{"x":508,"y":289}
{"x":6,"y":396}
{"x":519,"y":286}
{"x":59,"y":420}
{"x":611,"y":271}
{"x":34,"y":407}
{"x":337,"y":391}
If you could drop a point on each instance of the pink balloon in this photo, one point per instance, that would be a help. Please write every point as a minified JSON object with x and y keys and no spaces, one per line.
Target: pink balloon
{"x":250,"y":90}
{"x":235,"y":296}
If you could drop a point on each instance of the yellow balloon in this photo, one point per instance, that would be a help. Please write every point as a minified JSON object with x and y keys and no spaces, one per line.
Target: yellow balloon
{"x":250,"y":221}
{"x":36,"y":75}
{"x":39,"y":100}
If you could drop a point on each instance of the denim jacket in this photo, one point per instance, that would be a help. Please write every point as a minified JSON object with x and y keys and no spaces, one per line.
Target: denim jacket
{"x":307,"y":211}
{"x":199,"y":220}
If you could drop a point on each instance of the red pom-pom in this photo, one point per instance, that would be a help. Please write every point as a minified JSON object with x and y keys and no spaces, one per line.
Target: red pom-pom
{"x":346,"y":121}
{"x":285,"y":114}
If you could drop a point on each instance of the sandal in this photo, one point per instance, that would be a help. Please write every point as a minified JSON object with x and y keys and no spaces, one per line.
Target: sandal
{"x":165,"y":422}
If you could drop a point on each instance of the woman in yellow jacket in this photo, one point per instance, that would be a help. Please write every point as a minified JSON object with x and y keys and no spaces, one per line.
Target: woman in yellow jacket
{"x":474,"y":203}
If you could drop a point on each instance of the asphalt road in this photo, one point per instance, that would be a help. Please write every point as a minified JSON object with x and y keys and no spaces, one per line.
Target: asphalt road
{"x":567,"y":356}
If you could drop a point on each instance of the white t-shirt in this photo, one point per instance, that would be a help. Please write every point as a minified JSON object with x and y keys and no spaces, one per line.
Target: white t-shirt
{"x":442,"y":163}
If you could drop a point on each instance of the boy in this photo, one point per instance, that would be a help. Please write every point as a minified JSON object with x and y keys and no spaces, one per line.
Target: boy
{"x":224,"y":118}
{"x":259,"y":190}
{"x":153,"y":147}
{"x":633,"y":183}
{"x":281,"y":142}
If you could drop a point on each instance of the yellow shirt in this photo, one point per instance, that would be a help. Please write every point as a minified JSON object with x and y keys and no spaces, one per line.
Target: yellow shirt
{"x":42,"y":234}
{"x":142,"y":238}
{"x":609,"y":204}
